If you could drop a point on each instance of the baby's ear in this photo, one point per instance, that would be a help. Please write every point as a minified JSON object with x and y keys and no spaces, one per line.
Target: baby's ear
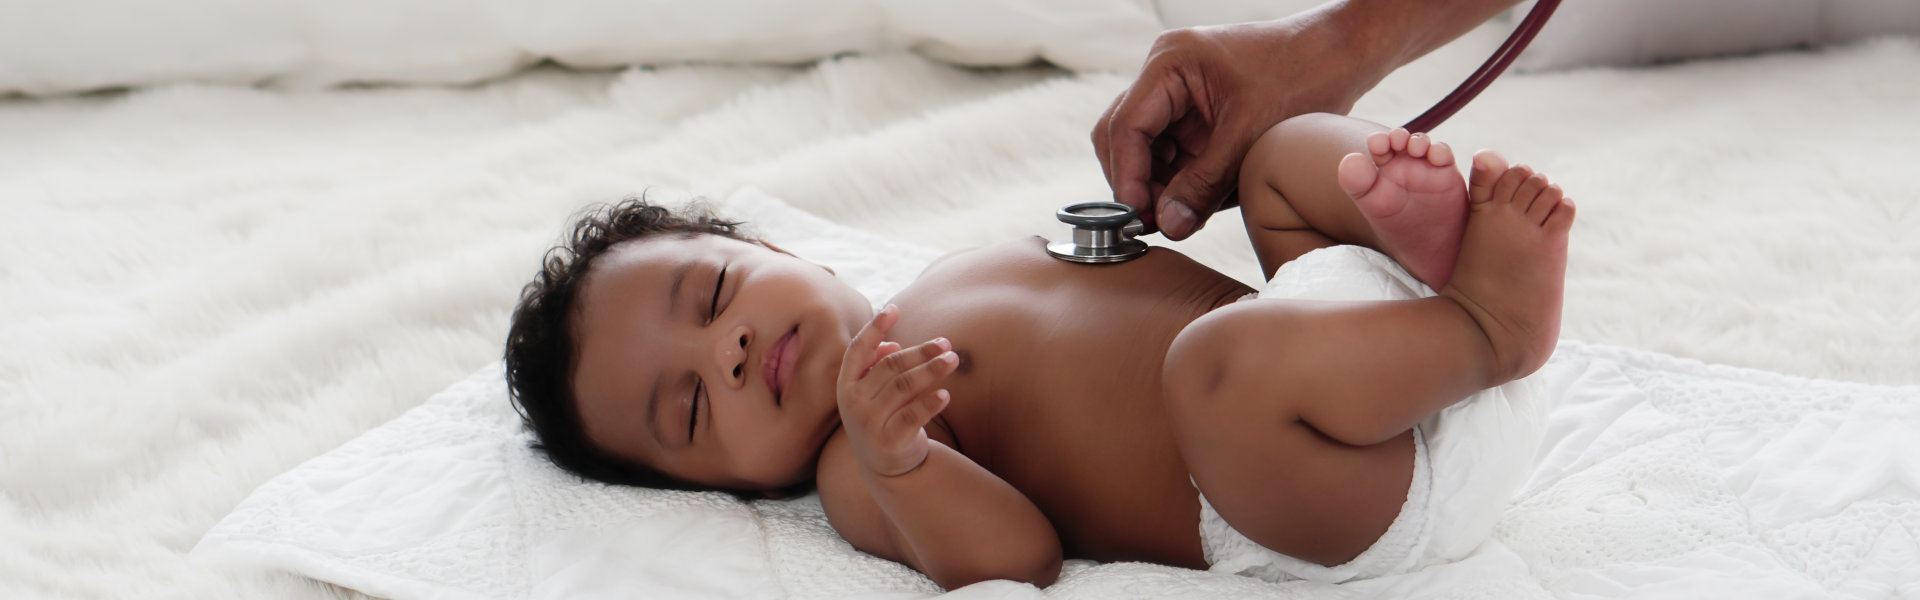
{"x":771,"y":246}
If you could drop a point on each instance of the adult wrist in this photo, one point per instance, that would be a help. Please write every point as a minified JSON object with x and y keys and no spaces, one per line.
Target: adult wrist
{"x":1377,"y":35}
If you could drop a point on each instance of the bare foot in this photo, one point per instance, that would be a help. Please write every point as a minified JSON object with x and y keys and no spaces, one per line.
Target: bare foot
{"x":1513,"y":263}
{"x":1410,"y":193}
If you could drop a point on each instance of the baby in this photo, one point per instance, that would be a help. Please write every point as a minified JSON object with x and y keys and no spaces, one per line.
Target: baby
{"x":966,"y":429}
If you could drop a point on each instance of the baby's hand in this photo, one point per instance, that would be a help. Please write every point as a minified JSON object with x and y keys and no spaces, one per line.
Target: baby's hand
{"x":887,"y":396}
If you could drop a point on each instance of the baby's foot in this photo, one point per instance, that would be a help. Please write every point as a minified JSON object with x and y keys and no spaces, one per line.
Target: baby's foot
{"x":1513,"y":263}
{"x":1414,"y":199}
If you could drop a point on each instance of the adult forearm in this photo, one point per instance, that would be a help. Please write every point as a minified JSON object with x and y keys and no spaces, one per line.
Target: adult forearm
{"x":1395,"y":32}
{"x":961,"y":524}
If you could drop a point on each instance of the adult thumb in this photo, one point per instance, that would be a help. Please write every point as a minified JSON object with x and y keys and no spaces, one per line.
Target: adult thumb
{"x":1196,"y":191}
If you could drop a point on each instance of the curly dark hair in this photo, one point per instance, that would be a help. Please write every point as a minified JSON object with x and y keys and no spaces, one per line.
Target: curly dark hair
{"x":541,"y":348}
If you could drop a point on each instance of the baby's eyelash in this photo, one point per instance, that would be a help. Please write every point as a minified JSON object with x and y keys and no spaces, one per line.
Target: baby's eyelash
{"x":693,"y":408}
{"x":714,"y":309}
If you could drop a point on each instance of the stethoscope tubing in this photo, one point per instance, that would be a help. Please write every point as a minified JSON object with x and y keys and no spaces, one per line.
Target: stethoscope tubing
{"x":1490,"y":70}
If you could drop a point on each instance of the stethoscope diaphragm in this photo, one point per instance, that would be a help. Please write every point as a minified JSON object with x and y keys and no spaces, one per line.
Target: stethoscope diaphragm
{"x":1103,"y":232}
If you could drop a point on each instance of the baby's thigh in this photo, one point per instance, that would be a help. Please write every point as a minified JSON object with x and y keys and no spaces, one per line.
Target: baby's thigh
{"x":1272,"y":476}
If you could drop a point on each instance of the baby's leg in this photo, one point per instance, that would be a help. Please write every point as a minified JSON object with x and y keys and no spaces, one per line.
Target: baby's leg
{"x":1320,"y":179}
{"x":1293,"y":416}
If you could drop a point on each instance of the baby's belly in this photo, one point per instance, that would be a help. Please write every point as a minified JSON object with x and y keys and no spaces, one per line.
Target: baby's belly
{"x":1081,"y":429}
{"x":1105,"y":469}
{"x":1058,"y":390}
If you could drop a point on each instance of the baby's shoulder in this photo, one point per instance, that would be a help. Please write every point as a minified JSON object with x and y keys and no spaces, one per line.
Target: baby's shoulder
{"x":1003,"y":253}
{"x":986,"y":281}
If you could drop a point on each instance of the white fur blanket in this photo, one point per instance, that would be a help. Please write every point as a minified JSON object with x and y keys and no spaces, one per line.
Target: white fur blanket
{"x":205,"y":286}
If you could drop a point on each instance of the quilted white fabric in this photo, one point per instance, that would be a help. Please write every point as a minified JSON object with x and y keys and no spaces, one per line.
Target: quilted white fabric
{"x":1659,"y":477}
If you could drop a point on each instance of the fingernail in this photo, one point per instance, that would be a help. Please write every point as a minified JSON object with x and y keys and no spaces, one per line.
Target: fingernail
{"x":943,"y":343}
{"x":949,"y":357}
{"x":1175,"y":216}
{"x":890,"y":309}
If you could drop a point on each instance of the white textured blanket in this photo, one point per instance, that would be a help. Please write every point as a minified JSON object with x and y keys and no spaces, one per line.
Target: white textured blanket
{"x":205,"y":286}
{"x":1660,"y":477}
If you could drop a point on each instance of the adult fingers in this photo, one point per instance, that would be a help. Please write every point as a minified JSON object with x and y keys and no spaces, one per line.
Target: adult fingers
{"x":1197,"y":189}
{"x":1100,"y":138}
{"x":1143,"y":113}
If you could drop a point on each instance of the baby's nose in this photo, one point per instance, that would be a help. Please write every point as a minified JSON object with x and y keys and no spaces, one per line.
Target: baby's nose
{"x":733,"y":354}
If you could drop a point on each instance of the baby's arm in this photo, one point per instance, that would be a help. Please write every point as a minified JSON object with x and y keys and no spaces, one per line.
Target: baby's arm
{"x":895,"y":493}
{"x":949,"y":518}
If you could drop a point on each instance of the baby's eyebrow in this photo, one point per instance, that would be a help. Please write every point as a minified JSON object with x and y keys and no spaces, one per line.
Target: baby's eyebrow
{"x":673,"y":291}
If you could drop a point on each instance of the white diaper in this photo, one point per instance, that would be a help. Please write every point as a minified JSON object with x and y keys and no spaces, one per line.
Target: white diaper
{"x":1468,"y":459}
{"x":1398,"y":549}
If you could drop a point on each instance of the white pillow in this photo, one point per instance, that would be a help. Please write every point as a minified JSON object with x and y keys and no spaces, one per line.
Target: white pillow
{"x":448,"y":500}
{"x":75,"y":45}
{"x":1189,"y":13}
{"x":1586,"y":33}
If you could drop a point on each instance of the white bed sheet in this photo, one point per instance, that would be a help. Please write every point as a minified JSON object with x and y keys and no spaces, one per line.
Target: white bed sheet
{"x":1660,"y":478}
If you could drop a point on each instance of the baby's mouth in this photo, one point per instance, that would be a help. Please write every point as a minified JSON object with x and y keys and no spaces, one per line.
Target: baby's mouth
{"x":777,"y":367}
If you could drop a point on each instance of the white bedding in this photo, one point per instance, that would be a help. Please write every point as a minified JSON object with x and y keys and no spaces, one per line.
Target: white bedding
{"x":1659,"y":476}
{"x":207,"y":286}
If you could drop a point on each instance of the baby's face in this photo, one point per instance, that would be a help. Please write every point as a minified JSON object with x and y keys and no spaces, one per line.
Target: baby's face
{"x":712,"y":360}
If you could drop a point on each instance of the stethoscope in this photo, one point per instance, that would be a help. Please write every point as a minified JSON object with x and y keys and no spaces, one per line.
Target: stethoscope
{"x":1103,"y":232}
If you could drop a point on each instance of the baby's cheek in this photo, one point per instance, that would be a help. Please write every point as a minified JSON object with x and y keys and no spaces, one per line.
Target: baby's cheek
{"x":775,"y":460}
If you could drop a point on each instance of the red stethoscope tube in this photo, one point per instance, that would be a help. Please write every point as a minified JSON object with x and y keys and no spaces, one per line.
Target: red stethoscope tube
{"x":1489,"y":70}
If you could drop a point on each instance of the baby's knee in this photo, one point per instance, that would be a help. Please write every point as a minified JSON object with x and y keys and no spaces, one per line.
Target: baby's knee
{"x":1214,"y":358}
{"x":1281,"y":144}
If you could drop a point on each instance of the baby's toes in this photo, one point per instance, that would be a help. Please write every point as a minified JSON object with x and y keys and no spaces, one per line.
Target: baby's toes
{"x":1440,"y":155}
{"x":1417,"y":145}
{"x":1561,"y":219}
{"x":1503,"y":190}
{"x":1356,"y":175}
{"x":1380,"y":147}
{"x":1529,"y":189}
{"x":1488,"y":166}
{"x":1542,"y":204}
{"x":1399,"y":135}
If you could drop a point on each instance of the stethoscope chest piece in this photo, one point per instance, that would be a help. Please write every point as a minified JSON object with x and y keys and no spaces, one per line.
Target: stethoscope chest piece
{"x":1102,"y":233}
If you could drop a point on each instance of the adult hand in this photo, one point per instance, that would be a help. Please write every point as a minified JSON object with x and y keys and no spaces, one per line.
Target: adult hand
{"x":1171,"y":145}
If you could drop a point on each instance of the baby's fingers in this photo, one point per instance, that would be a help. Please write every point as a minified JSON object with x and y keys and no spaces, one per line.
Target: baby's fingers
{"x":917,"y":379}
{"x":863,"y":350}
{"x":884,"y":350}
{"x":917,"y":413}
{"x":892,"y":364}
